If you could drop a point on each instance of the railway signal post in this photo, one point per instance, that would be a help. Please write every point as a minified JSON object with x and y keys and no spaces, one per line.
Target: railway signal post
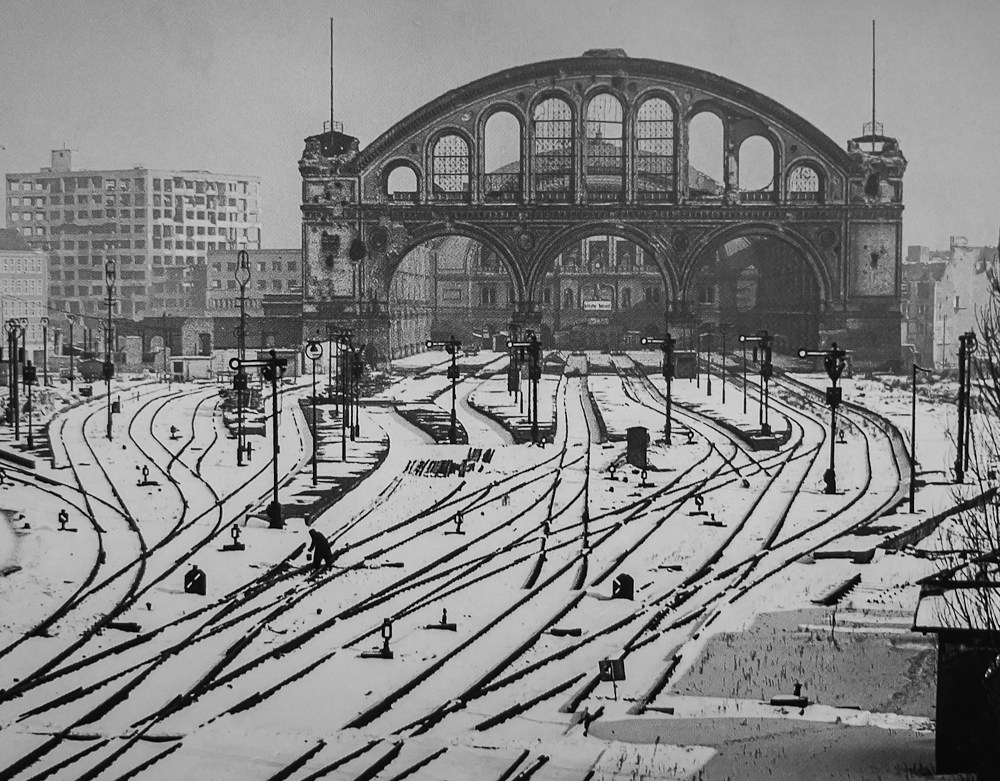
{"x":273,"y":369}
{"x":707,"y":335}
{"x":451,"y":346}
{"x":531,"y":349}
{"x":761,"y":342}
{"x":30,"y":377}
{"x":667,"y":346}
{"x":834,"y":361}
{"x":15,"y":333}
{"x":72,"y":351}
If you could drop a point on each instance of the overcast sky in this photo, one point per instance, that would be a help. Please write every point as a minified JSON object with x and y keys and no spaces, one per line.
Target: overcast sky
{"x":234,"y":86}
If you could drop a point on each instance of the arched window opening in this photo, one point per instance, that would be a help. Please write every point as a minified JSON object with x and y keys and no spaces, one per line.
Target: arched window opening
{"x":552,"y":153}
{"x":567,"y":299}
{"x":401,"y":184}
{"x":450,"y":166}
{"x":705,"y":156}
{"x":655,"y":153}
{"x":756,"y":170}
{"x":804,"y":184}
{"x":502,"y":148}
{"x":625,"y":298}
{"x":605,"y":159}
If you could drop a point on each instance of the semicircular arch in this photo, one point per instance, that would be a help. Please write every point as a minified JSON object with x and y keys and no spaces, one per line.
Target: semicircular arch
{"x":554,"y":245}
{"x":485,"y":236}
{"x":709,"y":244}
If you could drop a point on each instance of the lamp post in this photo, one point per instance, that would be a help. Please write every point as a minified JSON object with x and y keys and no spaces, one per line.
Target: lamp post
{"x":724,"y":329}
{"x":451,"y":346}
{"x":708,"y":358}
{"x":110,"y":273}
{"x":744,"y":375}
{"x":72,"y":350}
{"x":967,"y":344}
{"x":30,"y":376}
{"x":913,"y":437}
{"x":343,"y":349}
{"x":667,"y":346}
{"x":240,"y":383}
{"x":314,"y":351}
{"x":45,"y":351}
{"x":834,"y":361}
{"x":15,"y":330}
{"x":166,"y":333}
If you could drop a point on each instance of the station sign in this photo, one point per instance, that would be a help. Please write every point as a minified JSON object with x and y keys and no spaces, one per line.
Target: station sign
{"x":598,"y":321}
{"x":597,"y":306}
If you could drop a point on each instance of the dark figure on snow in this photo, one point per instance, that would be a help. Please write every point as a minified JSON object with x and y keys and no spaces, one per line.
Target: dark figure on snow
{"x":320,"y":549}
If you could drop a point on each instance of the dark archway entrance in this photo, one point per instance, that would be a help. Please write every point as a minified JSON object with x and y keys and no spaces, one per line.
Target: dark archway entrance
{"x":756,"y":282}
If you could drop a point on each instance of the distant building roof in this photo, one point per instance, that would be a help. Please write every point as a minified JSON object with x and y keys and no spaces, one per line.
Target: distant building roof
{"x":10,"y":240}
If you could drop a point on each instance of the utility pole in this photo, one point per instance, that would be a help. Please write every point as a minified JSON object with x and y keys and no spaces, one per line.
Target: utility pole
{"x":967,"y":344}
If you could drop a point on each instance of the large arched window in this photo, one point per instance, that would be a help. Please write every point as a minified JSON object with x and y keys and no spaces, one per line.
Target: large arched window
{"x":705,"y":156}
{"x":756,"y":176}
{"x":804,"y":184}
{"x":450,"y":167}
{"x":605,"y":158}
{"x":552,"y":153}
{"x":502,"y":158}
{"x":655,"y":155}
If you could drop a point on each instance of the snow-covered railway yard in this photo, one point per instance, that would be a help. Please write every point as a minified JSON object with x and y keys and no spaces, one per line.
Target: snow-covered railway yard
{"x":459,"y":632}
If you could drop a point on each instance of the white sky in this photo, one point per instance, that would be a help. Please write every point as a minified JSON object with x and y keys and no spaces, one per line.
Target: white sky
{"x":234,"y":86}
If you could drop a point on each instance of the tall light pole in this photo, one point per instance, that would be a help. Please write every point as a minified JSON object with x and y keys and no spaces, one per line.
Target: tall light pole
{"x":314,"y":351}
{"x":240,"y":383}
{"x":14,"y":329}
{"x":744,"y":376}
{"x":913,"y":437}
{"x":110,"y":272}
{"x":708,"y":358}
{"x":343,"y":349}
{"x":72,"y":350}
{"x":451,"y":346}
{"x":667,"y":346}
{"x":834,"y":361}
{"x":45,"y":351}
{"x":724,"y":329}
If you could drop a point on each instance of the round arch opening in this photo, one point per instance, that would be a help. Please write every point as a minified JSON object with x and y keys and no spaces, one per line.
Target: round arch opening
{"x":450,"y":286}
{"x":755,"y":282}
{"x":602,"y":292}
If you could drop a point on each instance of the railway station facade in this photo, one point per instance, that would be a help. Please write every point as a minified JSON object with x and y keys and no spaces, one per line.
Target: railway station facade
{"x":602,"y":147}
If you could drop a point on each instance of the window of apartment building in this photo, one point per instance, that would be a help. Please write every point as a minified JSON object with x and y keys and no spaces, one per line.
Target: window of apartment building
{"x":276,"y":284}
{"x":262,"y":284}
{"x":293,"y":265}
{"x":109,"y":184}
{"x":231,"y":284}
{"x":156,"y":184}
{"x":488,"y":294}
{"x":123,"y":184}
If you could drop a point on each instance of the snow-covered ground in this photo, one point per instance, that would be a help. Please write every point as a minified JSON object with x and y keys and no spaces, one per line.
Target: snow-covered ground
{"x":495,"y":580}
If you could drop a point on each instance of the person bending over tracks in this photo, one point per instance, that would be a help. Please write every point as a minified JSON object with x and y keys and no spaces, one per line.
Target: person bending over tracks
{"x":319,"y":547}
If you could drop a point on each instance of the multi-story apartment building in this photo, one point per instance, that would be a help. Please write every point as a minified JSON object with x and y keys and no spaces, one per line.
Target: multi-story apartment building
{"x":271,"y":271}
{"x":944,"y":295}
{"x":157,"y":225}
{"x":23,"y":287}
